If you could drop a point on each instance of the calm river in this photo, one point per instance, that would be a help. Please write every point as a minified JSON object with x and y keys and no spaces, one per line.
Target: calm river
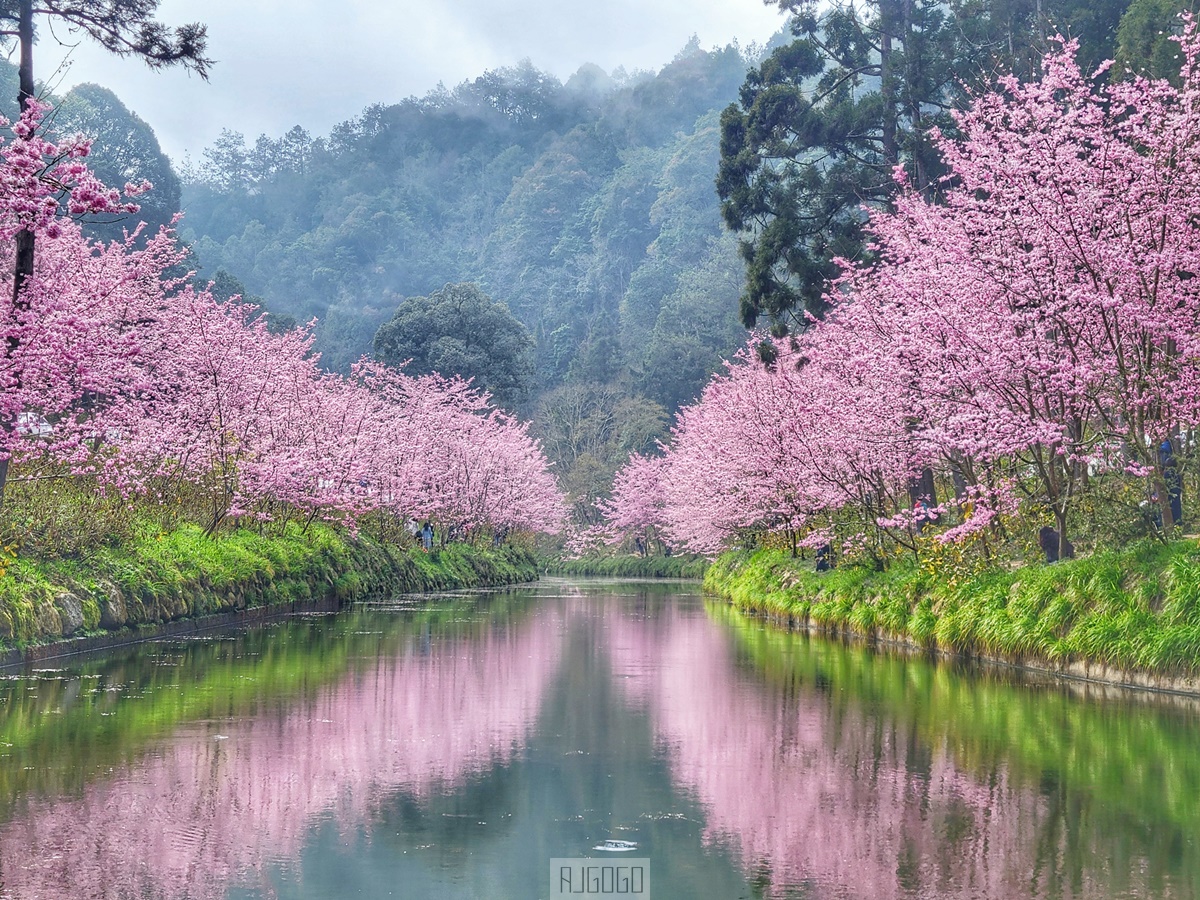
{"x":451,"y":750}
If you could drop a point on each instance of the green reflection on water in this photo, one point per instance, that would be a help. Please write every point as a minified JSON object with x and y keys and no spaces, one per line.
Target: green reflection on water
{"x":590,"y":771}
{"x":1119,"y":770}
{"x":631,"y":694}
{"x":60,"y":727}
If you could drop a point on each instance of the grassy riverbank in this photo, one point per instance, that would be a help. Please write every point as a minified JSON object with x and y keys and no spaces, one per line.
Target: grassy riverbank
{"x":160,"y":576}
{"x":628,"y":566}
{"x":1136,"y":609}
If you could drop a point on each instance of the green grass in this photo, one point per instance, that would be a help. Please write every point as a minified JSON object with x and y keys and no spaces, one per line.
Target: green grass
{"x":1136,"y":609}
{"x":164,"y":575}
{"x":628,"y":566}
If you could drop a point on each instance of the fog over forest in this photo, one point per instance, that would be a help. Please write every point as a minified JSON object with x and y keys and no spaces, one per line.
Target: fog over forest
{"x":579,"y":218}
{"x":586,"y":210}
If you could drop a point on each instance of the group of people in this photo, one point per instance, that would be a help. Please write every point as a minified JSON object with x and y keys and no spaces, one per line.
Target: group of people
{"x":424,"y":534}
{"x":421,"y":533}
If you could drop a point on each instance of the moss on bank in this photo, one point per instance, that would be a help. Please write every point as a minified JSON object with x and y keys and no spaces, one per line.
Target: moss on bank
{"x":162,"y":576}
{"x":1136,"y":609}
{"x":628,"y":566}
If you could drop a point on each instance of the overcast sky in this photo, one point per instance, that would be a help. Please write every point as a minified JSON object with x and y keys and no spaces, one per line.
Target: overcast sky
{"x":281,"y":63}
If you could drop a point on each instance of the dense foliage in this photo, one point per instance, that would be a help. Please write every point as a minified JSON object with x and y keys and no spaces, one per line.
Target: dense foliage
{"x":460,"y":330}
{"x":1031,"y":340}
{"x":132,"y":386}
{"x":123,"y":149}
{"x":586,"y":208}
{"x":1136,"y":609}
{"x":156,"y":576}
{"x":822,"y":123}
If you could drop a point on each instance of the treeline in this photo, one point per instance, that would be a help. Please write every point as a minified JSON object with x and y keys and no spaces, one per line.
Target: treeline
{"x":1017,"y":358}
{"x":124,"y":150}
{"x":585,"y":209}
{"x":832,"y":132}
{"x":589,"y":209}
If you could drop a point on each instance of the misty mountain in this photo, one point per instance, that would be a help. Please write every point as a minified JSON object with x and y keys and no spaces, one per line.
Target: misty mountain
{"x":587,"y":207}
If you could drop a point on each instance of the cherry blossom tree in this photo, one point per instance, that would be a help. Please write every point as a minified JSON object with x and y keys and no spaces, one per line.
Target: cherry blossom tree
{"x":40,"y":182}
{"x":635,"y":511}
{"x":132,"y":375}
{"x":1051,"y":299}
{"x":1032,"y":332}
{"x":787,"y":446}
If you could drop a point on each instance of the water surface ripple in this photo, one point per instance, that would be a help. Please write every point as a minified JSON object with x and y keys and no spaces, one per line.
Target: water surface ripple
{"x":451,"y":748}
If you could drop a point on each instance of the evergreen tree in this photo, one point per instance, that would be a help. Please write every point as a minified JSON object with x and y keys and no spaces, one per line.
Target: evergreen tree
{"x":124,"y":150}
{"x":460,"y":330}
{"x":823,"y":123}
{"x":1147,"y":39}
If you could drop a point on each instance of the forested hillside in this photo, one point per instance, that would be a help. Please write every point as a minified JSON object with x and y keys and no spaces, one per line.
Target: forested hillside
{"x":124,"y":149}
{"x":587,"y":208}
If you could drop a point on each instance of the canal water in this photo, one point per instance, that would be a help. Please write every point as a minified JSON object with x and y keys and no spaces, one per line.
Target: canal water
{"x":452,"y":749}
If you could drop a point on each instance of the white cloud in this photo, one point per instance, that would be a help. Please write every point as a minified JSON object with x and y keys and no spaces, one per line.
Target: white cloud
{"x":287,"y":62}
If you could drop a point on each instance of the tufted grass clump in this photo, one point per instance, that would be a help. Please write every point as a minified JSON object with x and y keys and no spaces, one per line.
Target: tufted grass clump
{"x":164,"y":573}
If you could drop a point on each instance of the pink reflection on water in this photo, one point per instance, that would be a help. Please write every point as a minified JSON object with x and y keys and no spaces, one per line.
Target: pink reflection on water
{"x":220,"y":799}
{"x":810,"y":791}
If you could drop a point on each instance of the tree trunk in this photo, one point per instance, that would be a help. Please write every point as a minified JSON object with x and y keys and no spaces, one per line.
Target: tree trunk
{"x":912,"y":100}
{"x":922,"y":494}
{"x":959,"y":478}
{"x":887,"y":81}
{"x":24,"y":261}
{"x":23,"y":267}
{"x":1163,"y":490}
{"x":1065,"y":550}
{"x":25,"y":64}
